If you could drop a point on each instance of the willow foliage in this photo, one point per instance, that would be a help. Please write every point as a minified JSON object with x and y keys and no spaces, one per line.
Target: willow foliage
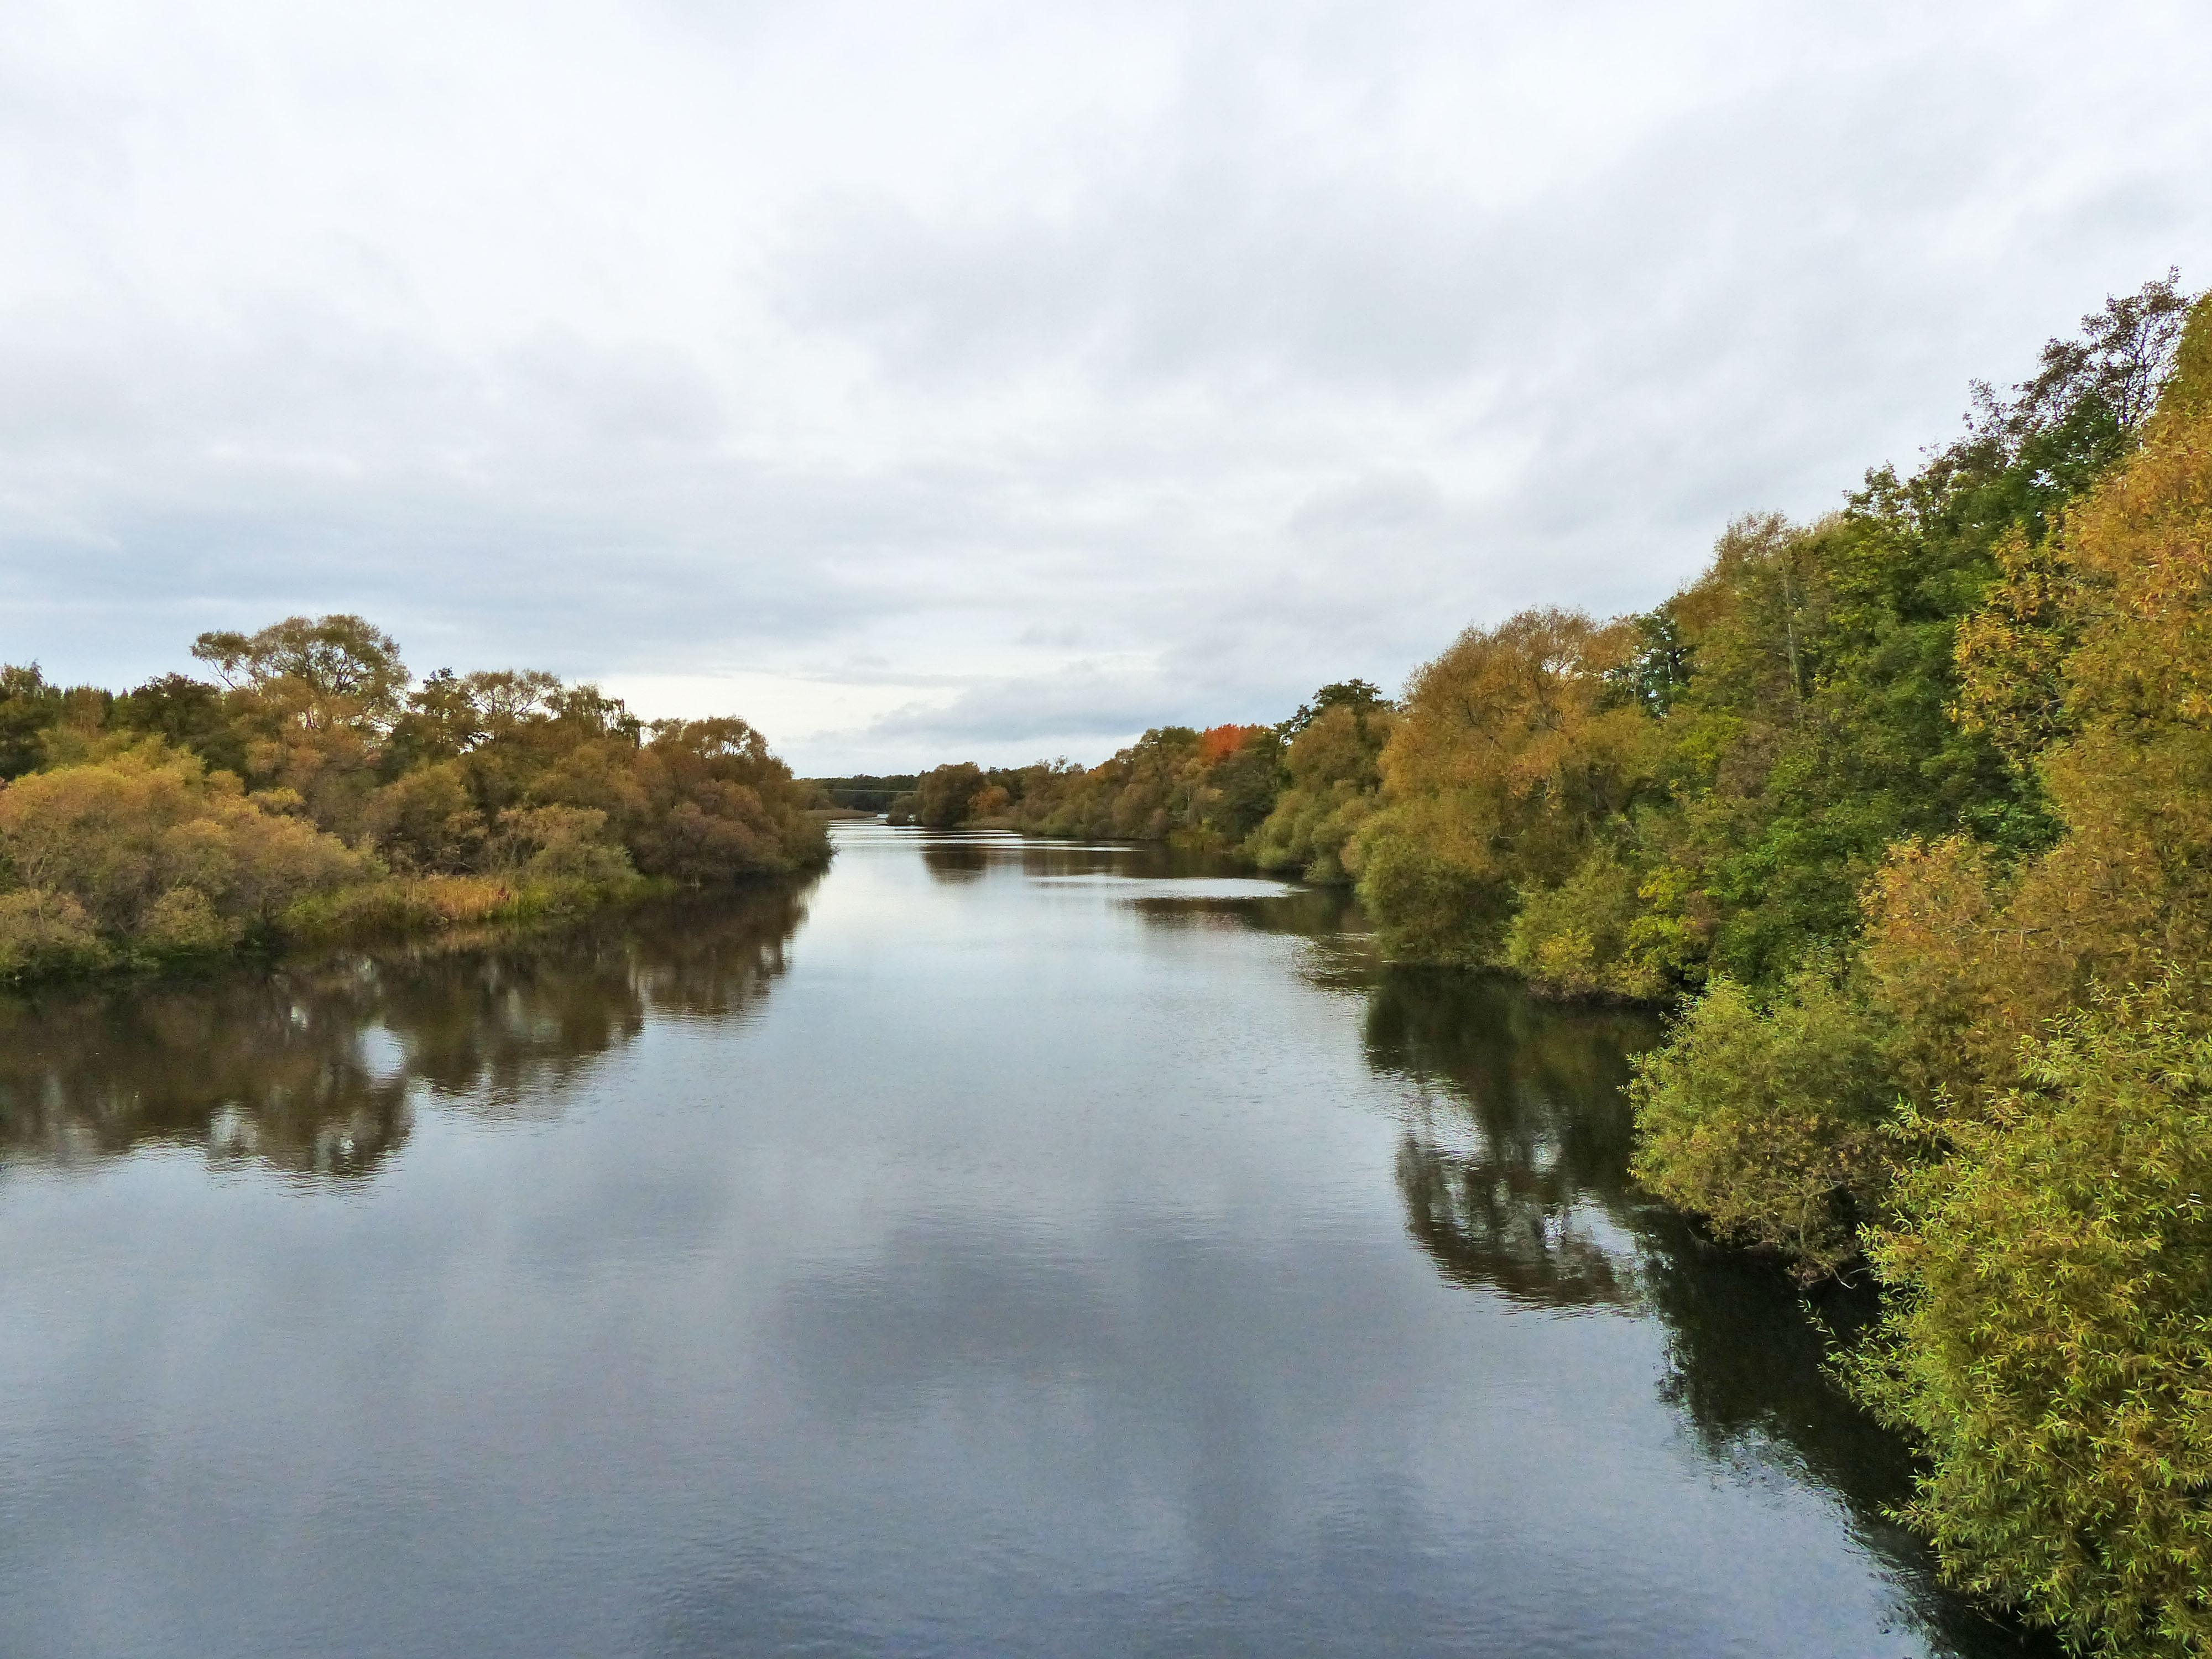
{"x":2052,"y":1347}
{"x":2050,"y":1340}
{"x":1765,"y":1115}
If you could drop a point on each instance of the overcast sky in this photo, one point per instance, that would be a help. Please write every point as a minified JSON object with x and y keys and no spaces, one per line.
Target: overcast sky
{"x":928,"y":380}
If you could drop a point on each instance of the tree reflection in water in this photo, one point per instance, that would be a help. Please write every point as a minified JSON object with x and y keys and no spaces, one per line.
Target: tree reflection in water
{"x":955,"y":859}
{"x":1513,"y":1166}
{"x":311,"y":1067}
{"x":1514,"y":1162}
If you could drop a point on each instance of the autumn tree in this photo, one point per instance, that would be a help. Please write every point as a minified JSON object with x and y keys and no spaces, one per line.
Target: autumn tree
{"x":1976,"y":953}
{"x":185,"y":817}
{"x":318,"y":697}
{"x":1332,"y":763}
{"x":147,"y":853}
{"x":942,"y":795}
{"x":335,"y":671}
{"x":1505,"y":761}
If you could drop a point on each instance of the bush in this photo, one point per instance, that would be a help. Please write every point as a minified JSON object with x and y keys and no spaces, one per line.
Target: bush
{"x":426,"y":820}
{"x":1593,"y":935}
{"x":941,"y":797}
{"x":156,"y":851}
{"x":562,"y":843}
{"x":1429,"y":883}
{"x":43,"y":933}
{"x":1334,"y":778}
{"x":719,"y":806}
{"x":2048,"y":1342}
{"x":1767,"y":1120}
{"x":183,"y":922}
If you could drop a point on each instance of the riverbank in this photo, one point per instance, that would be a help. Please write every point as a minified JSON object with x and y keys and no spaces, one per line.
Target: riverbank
{"x":402,"y":906}
{"x":1907,"y":807}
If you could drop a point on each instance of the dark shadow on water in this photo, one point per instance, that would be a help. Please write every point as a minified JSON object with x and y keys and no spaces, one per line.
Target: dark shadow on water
{"x":1747,"y":1370}
{"x":957,"y":855}
{"x":1310,"y":912}
{"x":311,"y":1067}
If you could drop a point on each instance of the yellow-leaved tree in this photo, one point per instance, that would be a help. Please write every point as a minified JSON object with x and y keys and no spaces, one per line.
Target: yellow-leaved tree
{"x":1508,"y":754}
{"x":146,"y":853}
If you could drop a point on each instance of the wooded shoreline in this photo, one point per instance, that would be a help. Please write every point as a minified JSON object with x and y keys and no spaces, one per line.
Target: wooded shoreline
{"x":1908,"y":811}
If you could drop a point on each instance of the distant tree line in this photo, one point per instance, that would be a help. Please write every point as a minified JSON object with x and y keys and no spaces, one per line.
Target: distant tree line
{"x":312,"y":785}
{"x":862,"y":793}
{"x":1909,"y":810}
{"x":1285,"y":797}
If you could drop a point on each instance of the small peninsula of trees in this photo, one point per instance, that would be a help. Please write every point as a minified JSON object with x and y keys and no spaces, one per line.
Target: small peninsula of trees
{"x":1908,"y":811}
{"x":312,"y":787}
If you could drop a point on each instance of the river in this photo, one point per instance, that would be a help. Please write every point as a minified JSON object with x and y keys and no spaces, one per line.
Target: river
{"x":992,"y":1247}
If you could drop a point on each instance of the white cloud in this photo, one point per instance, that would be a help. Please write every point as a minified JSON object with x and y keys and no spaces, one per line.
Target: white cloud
{"x":1010,"y":377}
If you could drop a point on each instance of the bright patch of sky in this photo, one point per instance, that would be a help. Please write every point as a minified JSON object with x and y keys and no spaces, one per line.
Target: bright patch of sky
{"x":960,"y":379}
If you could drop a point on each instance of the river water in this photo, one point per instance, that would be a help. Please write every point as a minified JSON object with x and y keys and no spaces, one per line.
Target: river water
{"x":991,"y":1248}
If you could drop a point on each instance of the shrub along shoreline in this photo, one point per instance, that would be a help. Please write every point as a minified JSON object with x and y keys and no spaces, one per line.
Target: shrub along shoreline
{"x":1908,"y":812}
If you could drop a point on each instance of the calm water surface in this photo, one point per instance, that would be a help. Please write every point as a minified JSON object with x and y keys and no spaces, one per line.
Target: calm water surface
{"x":992,"y":1249}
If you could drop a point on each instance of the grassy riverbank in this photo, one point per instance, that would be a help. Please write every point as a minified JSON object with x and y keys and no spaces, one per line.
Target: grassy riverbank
{"x":390,"y":909}
{"x":400,"y":906}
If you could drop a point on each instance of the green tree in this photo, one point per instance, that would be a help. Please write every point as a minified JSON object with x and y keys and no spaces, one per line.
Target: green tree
{"x":1767,"y":1117}
{"x":942,"y":795}
{"x":1333,"y":774}
{"x":1356,"y":696}
{"x":1974,"y":951}
{"x":30,"y":707}
{"x":184,"y":714}
{"x":2046,"y":1339}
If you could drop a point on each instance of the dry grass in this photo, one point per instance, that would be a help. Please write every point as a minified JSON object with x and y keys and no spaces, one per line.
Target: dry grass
{"x":399,"y":906}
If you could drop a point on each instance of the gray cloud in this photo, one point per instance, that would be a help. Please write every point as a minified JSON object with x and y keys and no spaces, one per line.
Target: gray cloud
{"x":1088,"y":370}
